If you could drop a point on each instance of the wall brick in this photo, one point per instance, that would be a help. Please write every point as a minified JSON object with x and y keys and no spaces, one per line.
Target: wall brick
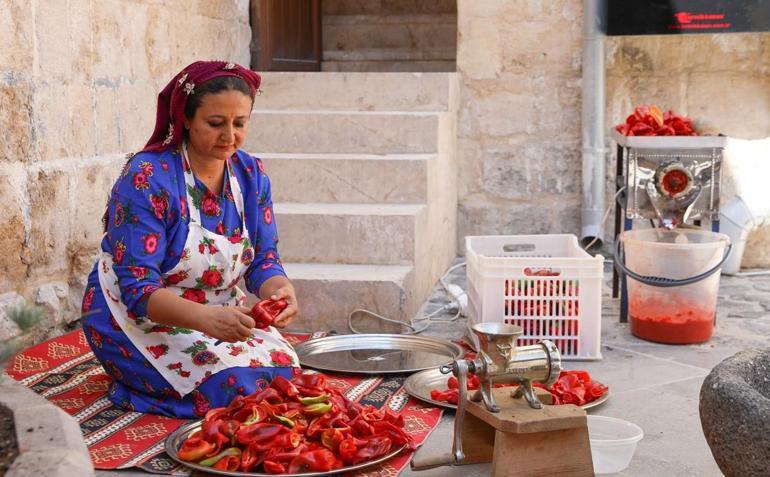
{"x":13,"y":259}
{"x":64,"y":120}
{"x":16,"y":36}
{"x":16,"y":140}
{"x":50,"y":207}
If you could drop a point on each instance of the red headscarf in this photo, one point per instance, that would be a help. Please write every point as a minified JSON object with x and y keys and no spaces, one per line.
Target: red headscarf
{"x":169,"y":123}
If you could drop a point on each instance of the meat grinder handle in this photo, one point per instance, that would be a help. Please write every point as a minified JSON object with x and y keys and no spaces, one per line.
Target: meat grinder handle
{"x":424,"y":462}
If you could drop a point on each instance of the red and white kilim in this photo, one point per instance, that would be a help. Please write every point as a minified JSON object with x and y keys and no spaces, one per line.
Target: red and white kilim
{"x":65,"y":371}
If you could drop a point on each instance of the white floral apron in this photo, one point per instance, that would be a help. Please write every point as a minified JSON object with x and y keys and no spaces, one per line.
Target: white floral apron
{"x":211,"y":265}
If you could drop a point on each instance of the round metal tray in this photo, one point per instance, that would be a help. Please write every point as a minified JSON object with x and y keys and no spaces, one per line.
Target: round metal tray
{"x":376,"y":353}
{"x":174,"y":442}
{"x":420,"y":384}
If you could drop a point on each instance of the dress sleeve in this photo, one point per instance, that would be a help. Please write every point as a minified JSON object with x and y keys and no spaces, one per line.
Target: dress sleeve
{"x":136,"y":231}
{"x":267,"y":261}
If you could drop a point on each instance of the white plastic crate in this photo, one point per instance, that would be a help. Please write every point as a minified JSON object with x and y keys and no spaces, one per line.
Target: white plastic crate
{"x":546,"y":284}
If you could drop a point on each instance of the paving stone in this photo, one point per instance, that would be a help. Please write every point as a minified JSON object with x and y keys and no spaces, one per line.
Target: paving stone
{"x":734,"y":410}
{"x":51,"y":463}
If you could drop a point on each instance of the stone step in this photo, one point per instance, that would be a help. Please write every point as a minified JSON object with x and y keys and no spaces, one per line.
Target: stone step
{"x":348,"y":178}
{"x":396,"y":7}
{"x":391,"y":54}
{"x":379,"y":234}
{"x":356,"y":132}
{"x":390,"y":66}
{"x":354,"y":91}
{"x":328,"y":293}
{"x":356,"y":32}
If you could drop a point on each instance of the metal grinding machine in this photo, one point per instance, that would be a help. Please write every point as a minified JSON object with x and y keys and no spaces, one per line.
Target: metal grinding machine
{"x":674,"y":183}
{"x":511,"y":427}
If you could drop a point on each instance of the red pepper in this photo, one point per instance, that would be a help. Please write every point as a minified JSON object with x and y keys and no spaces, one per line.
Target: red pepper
{"x":373,"y":447}
{"x":321,"y":460}
{"x":271,"y":467}
{"x":452,"y":396}
{"x":361,"y":428}
{"x":259,"y":433}
{"x":284,"y":386}
{"x":216,"y":413}
{"x":347,"y":450}
{"x":265,"y":312}
{"x":331,"y":438}
{"x":315,"y":382}
{"x":269,"y":395}
{"x":396,"y":435}
{"x":195,"y":448}
{"x":251,"y":457}
{"x":211,"y":431}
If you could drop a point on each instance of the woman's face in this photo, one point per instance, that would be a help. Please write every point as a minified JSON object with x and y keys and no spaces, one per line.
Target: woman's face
{"x":219,"y":125}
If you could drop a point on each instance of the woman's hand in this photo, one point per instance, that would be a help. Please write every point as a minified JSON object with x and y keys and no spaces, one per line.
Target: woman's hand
{"x":292,"y":310}
{"x":228,"y":323}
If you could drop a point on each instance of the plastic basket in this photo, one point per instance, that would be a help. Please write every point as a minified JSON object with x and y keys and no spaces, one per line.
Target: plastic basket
{"x":546,"y":284}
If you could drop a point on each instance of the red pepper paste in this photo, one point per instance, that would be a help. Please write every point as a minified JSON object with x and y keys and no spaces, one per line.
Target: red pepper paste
{"x":670,"y":322}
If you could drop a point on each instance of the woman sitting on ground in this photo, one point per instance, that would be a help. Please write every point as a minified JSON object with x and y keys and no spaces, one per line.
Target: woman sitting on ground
{"x":189,"y":216}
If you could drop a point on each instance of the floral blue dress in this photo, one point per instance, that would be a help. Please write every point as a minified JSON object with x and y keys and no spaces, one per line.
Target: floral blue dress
{"x":159,"y":217}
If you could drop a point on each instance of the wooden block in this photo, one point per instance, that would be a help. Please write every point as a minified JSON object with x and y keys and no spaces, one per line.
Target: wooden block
{"x":517,"y":417}
{"x":566,"y":453}
{"x":478,"y":440}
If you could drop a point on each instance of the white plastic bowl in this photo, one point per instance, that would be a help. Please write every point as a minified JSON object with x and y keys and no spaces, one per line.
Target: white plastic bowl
{"x":613,"y":442}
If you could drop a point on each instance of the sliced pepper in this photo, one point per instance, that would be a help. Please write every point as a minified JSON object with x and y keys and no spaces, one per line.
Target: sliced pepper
{"x":230,"y":451}
{"x":251,"y":457}
{"x":284,"y":386}
{"x":347,"y":450}
{"x":195,"y":448}
{"x":321,"y":460}
{"x":265,"y":312}
{"x":259,"y":433}
{"x":321,"y":398}
{"x":271,"y":467}
{"x":318,"y":409}
{"x":284,"y":420}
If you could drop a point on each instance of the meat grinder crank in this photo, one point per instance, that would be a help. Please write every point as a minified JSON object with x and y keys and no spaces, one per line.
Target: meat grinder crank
{"x":519,"y":436}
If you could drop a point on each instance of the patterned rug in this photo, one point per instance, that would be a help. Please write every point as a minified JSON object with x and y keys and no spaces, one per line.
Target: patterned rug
{"x":65,"y":371}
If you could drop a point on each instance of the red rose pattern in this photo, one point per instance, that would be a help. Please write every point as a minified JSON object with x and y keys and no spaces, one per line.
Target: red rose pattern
{"x":279,"y":358}
{"x":192,"y":294}
{"x":212,"y":278}
{"x":119,"y":252}
{"x":88,"y":299}
{"x":119,"y":215}
{"x":176,"y":278}
{"x":150,"y":243}
{"x":140,"y":181}
{"x":267,"y":215}
{"x":159,"y":205}
{"x":210,"y":205}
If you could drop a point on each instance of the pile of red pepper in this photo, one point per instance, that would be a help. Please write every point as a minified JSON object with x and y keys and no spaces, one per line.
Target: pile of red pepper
{"x":575,"y":387}
{"x":265,"y":312}
{"x":651,"y":121}
{"x":293,"y":426}
{"x":572,"y":387}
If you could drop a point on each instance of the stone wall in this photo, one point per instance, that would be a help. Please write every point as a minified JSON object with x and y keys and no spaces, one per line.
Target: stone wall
{"x":519,"y":142}
{"x":78,"y":88}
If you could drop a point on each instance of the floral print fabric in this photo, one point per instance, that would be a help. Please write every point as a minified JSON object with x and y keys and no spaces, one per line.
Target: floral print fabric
{"x":166,"y":229}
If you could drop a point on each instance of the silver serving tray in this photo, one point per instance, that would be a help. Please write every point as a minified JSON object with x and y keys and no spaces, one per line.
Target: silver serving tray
{"x":174,"y":442}
{"x":376,"y":353}
{"x":420,"y":384}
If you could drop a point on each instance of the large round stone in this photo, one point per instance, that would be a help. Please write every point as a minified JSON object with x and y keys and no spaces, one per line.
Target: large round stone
{"x":735,"y":413}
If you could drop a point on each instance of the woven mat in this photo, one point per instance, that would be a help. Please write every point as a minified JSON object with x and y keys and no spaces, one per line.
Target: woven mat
{"x":65,"y":371}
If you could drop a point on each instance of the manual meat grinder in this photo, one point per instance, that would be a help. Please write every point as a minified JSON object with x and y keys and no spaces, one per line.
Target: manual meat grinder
{"x":512,"y":428}
{"x":667,"y":180}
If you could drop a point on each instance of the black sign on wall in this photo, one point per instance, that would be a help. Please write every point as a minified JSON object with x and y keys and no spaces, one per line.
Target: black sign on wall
{"x":664,"y":17}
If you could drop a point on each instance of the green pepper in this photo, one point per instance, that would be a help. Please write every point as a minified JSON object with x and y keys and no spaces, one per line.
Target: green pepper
{"x":284,"y":420}
{"x":230,"y":451}
{"x":306,"y":401}
{"x":317,"y":409}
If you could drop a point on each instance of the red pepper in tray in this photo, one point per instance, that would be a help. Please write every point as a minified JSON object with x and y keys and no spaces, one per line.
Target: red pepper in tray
{"x":294,"y":425}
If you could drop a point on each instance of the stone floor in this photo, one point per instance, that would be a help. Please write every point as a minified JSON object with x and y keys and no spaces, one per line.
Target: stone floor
{"x":655,"y":386}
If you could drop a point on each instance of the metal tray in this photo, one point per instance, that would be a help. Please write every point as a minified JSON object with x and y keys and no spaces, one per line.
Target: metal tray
{"x":174,"y":442}
{"x":420,"y":384}
{"x":376,"y":353}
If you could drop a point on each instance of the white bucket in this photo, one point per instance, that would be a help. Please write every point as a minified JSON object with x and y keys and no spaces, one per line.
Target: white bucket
{"x":674,"y":314}
{"x":613,"y":442}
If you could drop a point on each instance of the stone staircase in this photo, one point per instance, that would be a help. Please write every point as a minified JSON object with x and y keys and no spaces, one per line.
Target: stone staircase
{"x":363,"y":176}
{"x":383,"y":35}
